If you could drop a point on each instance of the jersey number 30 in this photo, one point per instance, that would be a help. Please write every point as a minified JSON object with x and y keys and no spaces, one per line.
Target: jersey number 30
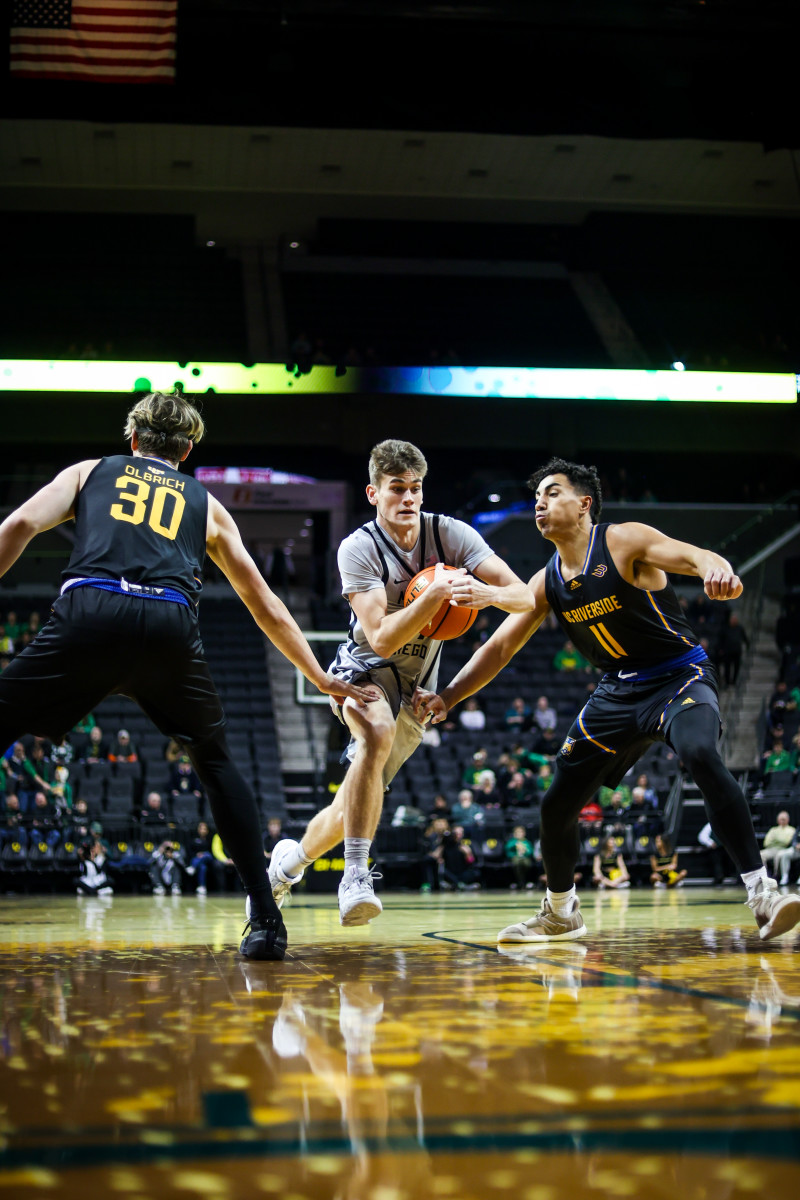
{"x":133,"y":507}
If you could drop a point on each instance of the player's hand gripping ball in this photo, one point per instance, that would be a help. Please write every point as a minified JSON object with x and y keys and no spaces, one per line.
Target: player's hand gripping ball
{"x":450,"y":621}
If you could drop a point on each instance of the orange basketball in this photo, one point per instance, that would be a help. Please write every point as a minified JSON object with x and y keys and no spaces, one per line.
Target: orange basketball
{"x":450,"y":621}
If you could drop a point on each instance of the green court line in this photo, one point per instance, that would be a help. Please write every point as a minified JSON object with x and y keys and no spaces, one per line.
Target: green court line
{"x":774,"y":1143}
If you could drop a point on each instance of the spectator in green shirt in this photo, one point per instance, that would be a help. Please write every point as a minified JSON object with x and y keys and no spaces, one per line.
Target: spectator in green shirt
{"x":570,"y":659}
{"x":519,"y":852}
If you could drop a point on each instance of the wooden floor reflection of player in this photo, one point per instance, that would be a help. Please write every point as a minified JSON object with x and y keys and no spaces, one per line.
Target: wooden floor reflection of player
{"x":382,"y":1122}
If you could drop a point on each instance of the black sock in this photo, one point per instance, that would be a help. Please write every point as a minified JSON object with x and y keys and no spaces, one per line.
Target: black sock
{"x":235,"y":814}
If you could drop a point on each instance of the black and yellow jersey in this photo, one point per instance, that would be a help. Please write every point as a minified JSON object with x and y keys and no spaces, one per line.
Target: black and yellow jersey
{"x":620,"y":628}
{"x":141,"y":520}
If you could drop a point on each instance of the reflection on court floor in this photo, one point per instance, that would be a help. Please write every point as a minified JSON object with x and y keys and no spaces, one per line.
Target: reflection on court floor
{"x":141,"y":1057}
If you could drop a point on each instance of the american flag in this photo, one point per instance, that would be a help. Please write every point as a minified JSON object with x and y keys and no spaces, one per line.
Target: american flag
{"x":106,"y":41}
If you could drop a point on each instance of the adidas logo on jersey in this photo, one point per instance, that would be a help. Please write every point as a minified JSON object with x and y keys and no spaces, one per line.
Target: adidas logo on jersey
{"x":576,"y":583}
{"x":688,"y":700}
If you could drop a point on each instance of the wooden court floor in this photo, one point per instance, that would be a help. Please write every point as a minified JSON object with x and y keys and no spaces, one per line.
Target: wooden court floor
{"x":141,"y":1057}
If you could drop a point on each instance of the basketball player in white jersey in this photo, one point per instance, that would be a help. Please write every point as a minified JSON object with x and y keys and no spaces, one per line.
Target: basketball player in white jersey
{"x":386,"y":648}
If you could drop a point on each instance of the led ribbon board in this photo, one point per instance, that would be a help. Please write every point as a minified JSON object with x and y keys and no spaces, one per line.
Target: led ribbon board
{"x":507,"y":383}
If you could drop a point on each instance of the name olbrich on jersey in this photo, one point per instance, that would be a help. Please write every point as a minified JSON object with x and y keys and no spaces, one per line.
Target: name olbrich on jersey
{"x":154,"y":475}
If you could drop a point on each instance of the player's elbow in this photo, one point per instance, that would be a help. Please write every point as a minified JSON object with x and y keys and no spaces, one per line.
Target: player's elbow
{"x":19,"y":528}
{"x":383,"y":645}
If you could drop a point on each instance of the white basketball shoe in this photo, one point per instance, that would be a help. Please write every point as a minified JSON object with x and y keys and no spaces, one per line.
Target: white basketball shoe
{"x":358,"y":903}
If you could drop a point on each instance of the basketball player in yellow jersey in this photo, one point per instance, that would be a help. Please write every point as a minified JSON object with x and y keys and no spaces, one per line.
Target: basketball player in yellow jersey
{"x":607,"y":585}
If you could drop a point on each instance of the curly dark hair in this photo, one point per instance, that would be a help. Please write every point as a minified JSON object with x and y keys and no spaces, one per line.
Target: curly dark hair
{"x":584,"y":479}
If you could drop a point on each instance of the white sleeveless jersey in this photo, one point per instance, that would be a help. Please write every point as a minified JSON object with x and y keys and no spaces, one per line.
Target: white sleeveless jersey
{"x":369,"y":558}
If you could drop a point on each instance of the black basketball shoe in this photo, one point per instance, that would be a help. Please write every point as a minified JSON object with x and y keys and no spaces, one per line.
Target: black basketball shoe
{"x":264,"y":938}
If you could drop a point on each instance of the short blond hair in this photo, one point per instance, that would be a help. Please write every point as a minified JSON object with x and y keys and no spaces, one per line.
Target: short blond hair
{"x":393,"y":458}
{"x":165,"y":423}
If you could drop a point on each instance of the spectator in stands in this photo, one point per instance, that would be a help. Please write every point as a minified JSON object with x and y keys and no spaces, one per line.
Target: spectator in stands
{"x":518,"y":716}
{"x":98,"y":747}
{"x":480,"y":762}
{"x":14,"y":627}
{"x":62,"y":752}
{"x":224,"y":867}
{"x":664,"y":871}
{"x":519,"y":852}
{"x":11,"y":826}
{"x":570,"y":660}
{"x":61,"y":792}
{"x":606,"y":797}
{"x":776,"y":762}
{"x":441,"y":806}
{"x":42,"y":821}
{"x":42,"y":765}
{"x":183,"y":779}
{"x":6,"y":642}
{"x":166,"y":865}
{"x":487,"y":793}
{"x":730,"y":648}
{"x":544,"y":715}
{"x":777,"y":848}
{"x":546,"y":743}
{"x":272,"y":836}
{"x":153,"y":816}
{"x":640,"y":814}
{"x":590,"y":815}
{"x":650,"y":794}
{"x":122,"y":749}
{"x":77,"y":829}
{"x":459,"y":866}
{"x":433,"y":857}
{"x":94,"y":880}
{"x":471,"y":716}
{"x":520,"y":790}
{"x":201,"y":859}
{"x":544,"y":777}
{"x":616,"y":812}
{"x":466,"y":811}
{"x":21,"y":776}
{"x":608,"y":866}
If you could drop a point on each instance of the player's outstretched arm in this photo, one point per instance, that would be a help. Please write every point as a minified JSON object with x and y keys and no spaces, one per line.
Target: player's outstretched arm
{"x":488,"y":660}
{"x":496,"y":586}
{"x":646,"y":546}
{"x":225,"y":547}
{"x":50,"y":506}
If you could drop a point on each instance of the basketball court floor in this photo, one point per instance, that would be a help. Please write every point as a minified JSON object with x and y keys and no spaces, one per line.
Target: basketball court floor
{"x":141,"y":1057}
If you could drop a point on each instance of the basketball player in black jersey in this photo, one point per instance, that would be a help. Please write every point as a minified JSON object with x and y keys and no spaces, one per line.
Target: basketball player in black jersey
{"x":126,"y":622}
{"x":608,"y":587}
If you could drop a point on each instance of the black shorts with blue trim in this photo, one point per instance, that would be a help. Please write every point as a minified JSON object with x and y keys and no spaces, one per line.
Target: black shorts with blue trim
{"x":97,"y":643}
{"x":625,"y":716}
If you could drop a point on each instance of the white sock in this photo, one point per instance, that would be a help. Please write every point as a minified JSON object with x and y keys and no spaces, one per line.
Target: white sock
{"x":296,"y":861}
{"x":356,"y":853}
{"x":562,"y":903}
{"x":750,"y":878}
